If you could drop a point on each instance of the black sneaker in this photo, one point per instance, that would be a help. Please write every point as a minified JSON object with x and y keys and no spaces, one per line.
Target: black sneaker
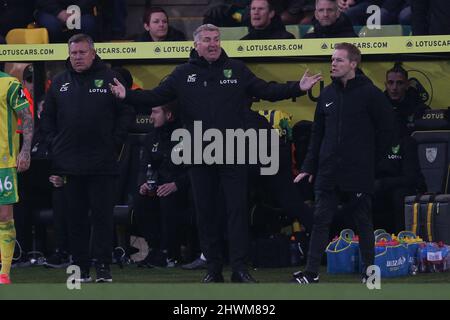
{"x":242,"y":277}
{"x":160,"y":259}
{"x":58,"y":260}
{"x":84,"y":277}
{"x":195,"y":265}
{"x":103,"y":273}
{"x":304,"y":278}
{"x":213,"y":278}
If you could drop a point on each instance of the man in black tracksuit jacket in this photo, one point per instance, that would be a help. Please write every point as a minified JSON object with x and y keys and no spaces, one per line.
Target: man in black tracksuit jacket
{"x":161,"y":211}
{"x":86,"y":128}
{"x":405,"y":99}
{"x":329,"y":22}
{"x":275,"y":30}
{"x":397,"y":175}
{"x":352,"y":126}
{"x":342,"y":28}
{"x":216,"y":90}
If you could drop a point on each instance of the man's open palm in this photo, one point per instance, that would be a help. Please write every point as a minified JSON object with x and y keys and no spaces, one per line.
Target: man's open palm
{"x":308,"y":81}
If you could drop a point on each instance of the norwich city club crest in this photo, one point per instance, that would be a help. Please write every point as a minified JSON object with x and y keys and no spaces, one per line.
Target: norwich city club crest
{"x":228,"y":73}
{"x":98,"y":83}
{"x":396,"y":149}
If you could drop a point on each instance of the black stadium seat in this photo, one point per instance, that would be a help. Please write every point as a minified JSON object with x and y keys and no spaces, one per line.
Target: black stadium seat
{"x":433,"y":148}
{"x":433,"y":119}
{"x":127,"y":183}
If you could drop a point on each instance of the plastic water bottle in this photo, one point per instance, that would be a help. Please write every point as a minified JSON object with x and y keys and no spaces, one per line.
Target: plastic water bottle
{"x":295,"y":252}
{"x":151,"y":180}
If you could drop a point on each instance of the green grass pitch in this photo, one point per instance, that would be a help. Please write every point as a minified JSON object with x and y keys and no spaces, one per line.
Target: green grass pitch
{"x":176,"y":284}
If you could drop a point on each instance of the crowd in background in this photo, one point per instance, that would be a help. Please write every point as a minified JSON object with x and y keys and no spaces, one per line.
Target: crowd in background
{"x":107,"y":20}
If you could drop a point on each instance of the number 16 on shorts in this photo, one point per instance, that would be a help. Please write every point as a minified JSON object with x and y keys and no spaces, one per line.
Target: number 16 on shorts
{"x":8,"y":186}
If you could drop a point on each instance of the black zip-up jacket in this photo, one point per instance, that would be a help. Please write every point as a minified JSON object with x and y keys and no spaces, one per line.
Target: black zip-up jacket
{"x":218,"y":93}
{"x":342,"y":28}
{"x":352,"y":129}
{"x":85,"y":125}
{"x":275,"y":30}
{"x":157,"y":152}
{"x":400,"y":167}
{"x":407,"y":110}
{"x":430,"y":17}
{"x":172,"y":35}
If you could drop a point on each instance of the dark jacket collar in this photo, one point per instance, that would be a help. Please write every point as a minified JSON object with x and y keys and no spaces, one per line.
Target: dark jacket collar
{"x":172,"y":35}
{"x":194,"y":58}
{"x":96,"y":65}
{"x":360,"y":79}
{"x":410,"y":100}
{"x":343,"y":25}
{"x":167,"y":129}
{"x":275,"y":29}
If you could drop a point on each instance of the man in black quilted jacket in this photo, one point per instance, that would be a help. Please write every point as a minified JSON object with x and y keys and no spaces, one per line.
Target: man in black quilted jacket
{"x":352,"y":128}
{"x":86,"y":129}
{"x":215,"y":90}
{"x":265,"y":22}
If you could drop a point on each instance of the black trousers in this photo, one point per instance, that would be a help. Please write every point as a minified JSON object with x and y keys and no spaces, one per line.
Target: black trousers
{"x":35,"y":193}
{"x":159,"y":220}
{"x":60,"y":219}
{"x":206,"y":183}
{"x":360,"y":206}
{"x":94,"y":194}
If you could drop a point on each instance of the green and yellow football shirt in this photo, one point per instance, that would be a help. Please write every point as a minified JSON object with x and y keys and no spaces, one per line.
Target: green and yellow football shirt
{"x":12,"y":99}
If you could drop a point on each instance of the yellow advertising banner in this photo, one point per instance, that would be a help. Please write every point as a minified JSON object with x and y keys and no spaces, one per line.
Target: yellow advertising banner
{"x":237,"y":49}
{"x":434,"y":76}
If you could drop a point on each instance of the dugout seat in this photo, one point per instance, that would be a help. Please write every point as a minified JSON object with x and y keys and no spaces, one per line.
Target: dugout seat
{"x":294,"y":29}
{"x":433,"y":148}
{"x":433,"y":119}
{"x":232,"y":33}
{"x":27,"y":36}
{"x":237,"y":33}
{"x":305,"y":29}
{"x":127,"y":183}
{"x":126,"y":189}
{"x":385,"y":31}
{"x":308,"y":28}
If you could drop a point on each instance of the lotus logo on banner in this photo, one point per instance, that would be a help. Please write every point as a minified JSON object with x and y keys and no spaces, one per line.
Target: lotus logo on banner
{"x":431,"y":154}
